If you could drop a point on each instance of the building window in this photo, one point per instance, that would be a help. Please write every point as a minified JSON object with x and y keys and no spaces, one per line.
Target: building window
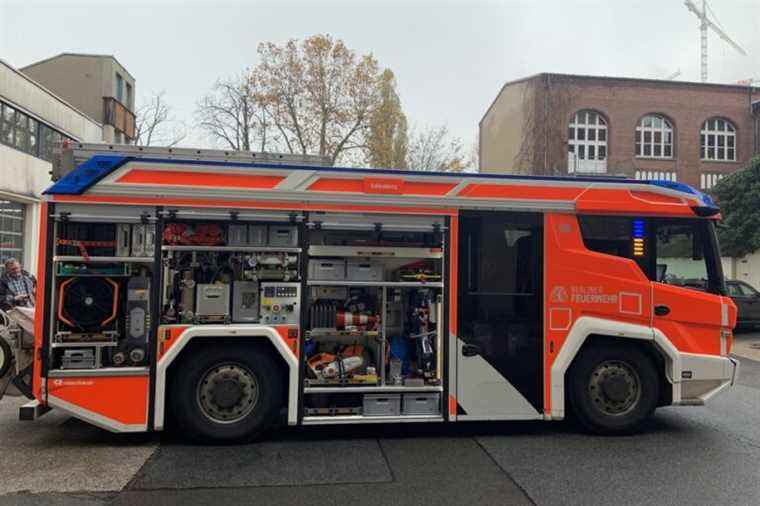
{"x":128,"y":97}
{"x":7,"y":124}
{"x":119,"y":88}
{"x":21,"y":132}
{"x":26,"y":134}
{"x":656,"y":174}
{"x":587,"y":142}
{"x":654,"y":137}
{"x":11,"y":231}
{"x":707,"y":181}
{"x":717,"y":140}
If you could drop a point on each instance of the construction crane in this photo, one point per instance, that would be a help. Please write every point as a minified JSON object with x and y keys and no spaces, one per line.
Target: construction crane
{"x":673,"y":75}
{"x":703,"y":26}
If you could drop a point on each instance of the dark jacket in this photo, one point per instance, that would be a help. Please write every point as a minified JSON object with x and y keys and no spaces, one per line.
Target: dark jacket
{"x":7,"y":293}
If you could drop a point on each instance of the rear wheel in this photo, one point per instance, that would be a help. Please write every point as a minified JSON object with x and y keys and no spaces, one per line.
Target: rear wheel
{"x":613,"y":389}
{"x":226,"y":394}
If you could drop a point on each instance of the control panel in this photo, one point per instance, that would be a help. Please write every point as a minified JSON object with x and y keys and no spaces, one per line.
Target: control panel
{"x":280,"y":303}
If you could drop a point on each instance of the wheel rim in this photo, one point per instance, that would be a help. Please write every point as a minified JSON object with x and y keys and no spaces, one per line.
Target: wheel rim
{"x":227,"y":393}
{"x":614,"y":387}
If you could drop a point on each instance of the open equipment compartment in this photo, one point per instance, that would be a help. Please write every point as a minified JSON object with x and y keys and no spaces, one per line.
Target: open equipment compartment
{"x":101,"y":288}
{"x":373,"y":344}
{"x":230,"y":268}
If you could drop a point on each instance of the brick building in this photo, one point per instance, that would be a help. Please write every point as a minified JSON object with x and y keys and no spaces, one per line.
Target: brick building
{"x":641,"y":128}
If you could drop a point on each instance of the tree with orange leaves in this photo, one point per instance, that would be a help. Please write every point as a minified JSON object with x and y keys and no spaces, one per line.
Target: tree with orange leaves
{"x":318,"y":95}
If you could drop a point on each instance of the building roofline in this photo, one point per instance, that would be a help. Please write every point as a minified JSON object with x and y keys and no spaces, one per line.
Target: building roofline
{"x":501,"y":90}
{"x":632,"y":80}
{"x":53,"y":95}
{"x":83,"y":55}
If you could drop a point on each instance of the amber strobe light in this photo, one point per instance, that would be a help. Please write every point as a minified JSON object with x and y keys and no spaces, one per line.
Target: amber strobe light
{"x":638,"y":238}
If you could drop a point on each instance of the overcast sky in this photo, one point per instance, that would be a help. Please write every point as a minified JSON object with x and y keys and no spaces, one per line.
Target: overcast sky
{"x":450,"y":57}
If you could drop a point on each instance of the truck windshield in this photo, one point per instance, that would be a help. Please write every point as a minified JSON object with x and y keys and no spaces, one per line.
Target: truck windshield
{"x":687,"y":254}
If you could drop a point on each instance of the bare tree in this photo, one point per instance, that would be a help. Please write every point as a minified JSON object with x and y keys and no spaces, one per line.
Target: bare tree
{"x":155,"y":124}
{"x":232,"y":116}
{"x":540,"y":153}
{"x":433,"y":149}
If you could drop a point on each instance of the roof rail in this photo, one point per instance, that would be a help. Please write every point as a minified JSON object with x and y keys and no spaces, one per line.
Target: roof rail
{"x":73,"y":154}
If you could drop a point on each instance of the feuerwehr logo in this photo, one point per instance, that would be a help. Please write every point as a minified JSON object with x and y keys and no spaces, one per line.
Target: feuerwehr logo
{"x":559,"y":294}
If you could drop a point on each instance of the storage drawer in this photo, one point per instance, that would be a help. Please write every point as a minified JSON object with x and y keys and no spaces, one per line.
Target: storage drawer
{"x":422,"y":404}
{"x":364,"y":271}
{"x":257,"y":235}
{"x":283,"y":236}
{"x":237,"y":235}
{"x":382,"y":405}
{"x":327,"y":270}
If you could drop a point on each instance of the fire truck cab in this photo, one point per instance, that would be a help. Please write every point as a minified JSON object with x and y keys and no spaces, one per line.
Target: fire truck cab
{"x":219,"y":293}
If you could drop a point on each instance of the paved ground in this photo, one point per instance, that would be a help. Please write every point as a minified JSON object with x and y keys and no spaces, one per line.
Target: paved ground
{"x":705,"y":455}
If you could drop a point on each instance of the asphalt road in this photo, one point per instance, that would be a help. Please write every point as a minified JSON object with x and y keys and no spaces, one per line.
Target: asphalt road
{"x":698,"y":455}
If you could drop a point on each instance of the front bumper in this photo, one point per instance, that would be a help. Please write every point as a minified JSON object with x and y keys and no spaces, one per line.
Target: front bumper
{"x":702,"y":377}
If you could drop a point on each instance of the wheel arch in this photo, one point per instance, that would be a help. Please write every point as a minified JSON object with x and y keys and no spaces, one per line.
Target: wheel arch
{"x":266,"y":338}
{"x":587,"y":331}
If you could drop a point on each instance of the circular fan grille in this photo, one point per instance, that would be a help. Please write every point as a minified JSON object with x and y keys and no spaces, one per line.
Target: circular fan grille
{"x":88,"y":302}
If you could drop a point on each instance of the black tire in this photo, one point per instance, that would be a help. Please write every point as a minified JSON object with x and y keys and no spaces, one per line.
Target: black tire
{"x":613,"y":389}
{"x":6,"y":357}
{"x":198,"y":408}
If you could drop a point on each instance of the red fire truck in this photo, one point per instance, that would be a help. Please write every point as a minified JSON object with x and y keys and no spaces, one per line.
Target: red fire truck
{"x":219,"y":293}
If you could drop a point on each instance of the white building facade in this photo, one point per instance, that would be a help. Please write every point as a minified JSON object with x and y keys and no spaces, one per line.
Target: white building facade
{"x":33,"y":122}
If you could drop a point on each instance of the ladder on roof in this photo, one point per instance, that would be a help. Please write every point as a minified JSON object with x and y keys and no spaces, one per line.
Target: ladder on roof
{"x":71,"y":155}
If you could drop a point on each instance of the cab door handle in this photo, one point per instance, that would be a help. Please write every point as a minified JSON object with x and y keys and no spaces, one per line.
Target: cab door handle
{"x":470,"y":350}
{"x":661,"y":310}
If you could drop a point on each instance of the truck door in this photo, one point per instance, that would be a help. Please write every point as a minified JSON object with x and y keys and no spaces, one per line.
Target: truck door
{"x":499,"y":335}
{"x":687,"y":306}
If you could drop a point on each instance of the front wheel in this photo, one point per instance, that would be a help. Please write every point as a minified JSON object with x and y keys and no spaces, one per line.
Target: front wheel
{"x":613,"y":389}
{"x":226,"y":394}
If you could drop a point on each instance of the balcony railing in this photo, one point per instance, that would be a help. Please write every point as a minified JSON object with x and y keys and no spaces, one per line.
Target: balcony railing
{"x":116,"y":114}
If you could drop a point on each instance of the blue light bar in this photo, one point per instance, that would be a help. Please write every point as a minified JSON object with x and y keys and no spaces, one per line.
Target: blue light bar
{"x":86,"y":175}
{"x":638,"y":229}
{"x":708,"y":207}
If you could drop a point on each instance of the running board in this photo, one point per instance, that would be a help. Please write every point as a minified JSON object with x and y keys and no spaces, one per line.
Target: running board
{"x":335,"y":420}
{"x":31,"y":411}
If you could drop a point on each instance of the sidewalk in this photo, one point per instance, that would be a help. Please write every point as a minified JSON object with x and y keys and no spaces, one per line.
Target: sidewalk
{"x":747,"y":345}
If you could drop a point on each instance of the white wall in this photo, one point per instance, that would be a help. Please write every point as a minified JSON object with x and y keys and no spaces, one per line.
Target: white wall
{"x":24,"y":177}
{"x":744,"y":269}
{"x":31,"y":97}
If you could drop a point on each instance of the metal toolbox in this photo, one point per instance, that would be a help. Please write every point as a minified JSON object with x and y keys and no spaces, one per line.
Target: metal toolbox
{"x":421,"y":404}
{"x":381,"y":405}
{"x":283,"y":236}
{"x":257,"y":235}
{"x":237,"y":235}
{"x":212,"y":300}
{"x":245,"y":301}
{"x":78,"y":359}
{"x":367,"y":270}
{"x":327,"y":270}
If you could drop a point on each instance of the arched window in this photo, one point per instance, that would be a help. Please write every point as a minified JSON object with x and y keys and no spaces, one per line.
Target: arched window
{"x":654,"y":137}
{"x":717,"y":140}
{"x":587,"y":142}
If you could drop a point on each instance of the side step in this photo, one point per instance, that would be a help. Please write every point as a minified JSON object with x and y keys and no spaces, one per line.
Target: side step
{"x":31,"y":411}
